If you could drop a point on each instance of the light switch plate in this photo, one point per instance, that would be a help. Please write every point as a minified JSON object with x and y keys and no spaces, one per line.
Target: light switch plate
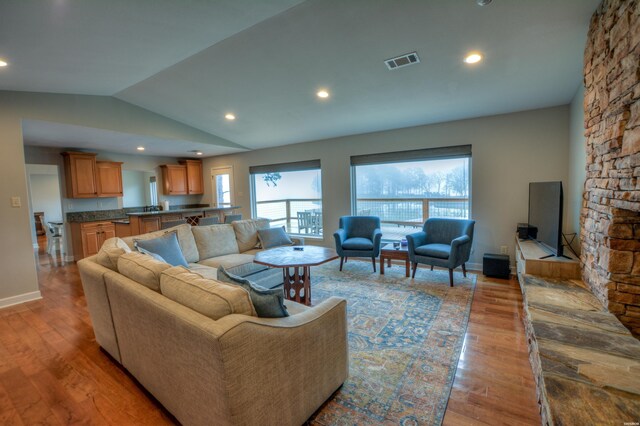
{"x":16,"y":202}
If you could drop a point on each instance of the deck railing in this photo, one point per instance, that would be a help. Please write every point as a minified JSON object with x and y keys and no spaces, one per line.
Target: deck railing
{"x":393,"y":211}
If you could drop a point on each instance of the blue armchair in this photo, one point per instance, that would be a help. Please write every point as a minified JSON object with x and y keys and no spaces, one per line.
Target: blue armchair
{"x":442,"y":242}
{"x":358,"y":236}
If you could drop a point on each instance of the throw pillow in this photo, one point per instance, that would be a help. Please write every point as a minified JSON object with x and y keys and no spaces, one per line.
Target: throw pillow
{"x":166,"y":247}
{"x":274,"y":237}
{"x":269,"y":303}
{"x":142,"y":268}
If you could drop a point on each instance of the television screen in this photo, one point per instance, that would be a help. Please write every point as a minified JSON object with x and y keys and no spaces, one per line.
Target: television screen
{"x":545,"y":214}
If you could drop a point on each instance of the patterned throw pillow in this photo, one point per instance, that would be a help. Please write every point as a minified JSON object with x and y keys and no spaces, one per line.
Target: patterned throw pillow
{"x":268,"y":303}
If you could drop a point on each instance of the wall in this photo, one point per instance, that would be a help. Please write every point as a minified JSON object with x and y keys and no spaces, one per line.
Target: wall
{"x":577,"y":166}
{"x":509,"y":151}
{"x":611,"y":213}
{"x":17,"y":263}
{"x":45,"y":196}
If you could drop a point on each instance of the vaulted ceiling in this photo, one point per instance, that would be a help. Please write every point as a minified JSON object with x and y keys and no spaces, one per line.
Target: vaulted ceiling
{"x":264,"y":60}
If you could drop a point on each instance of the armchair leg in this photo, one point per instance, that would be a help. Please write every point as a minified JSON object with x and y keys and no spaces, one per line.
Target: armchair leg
{"x":432,"y":267}
{"x":373,"y":262}
{"x":450,"y":277}
{"x":464,"y":270}
{"x":414,"y":266}
{"x":341,"y":260}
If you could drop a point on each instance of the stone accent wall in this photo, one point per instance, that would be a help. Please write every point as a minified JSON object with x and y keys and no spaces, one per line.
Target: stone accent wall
{"x":610,"y":216}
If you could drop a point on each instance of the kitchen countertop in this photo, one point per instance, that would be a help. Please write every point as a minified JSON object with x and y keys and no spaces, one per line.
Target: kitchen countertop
{"x":121,"y":221}
{"x":195,"y":210}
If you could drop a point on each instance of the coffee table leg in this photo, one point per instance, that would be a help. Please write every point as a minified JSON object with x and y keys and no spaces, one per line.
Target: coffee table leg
{"x":381,"y":265}
{"x":294,"y":283}
{"x":407,"y":268}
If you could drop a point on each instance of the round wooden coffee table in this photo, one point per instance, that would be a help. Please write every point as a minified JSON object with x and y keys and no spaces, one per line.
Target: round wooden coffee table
{"x":296,"y":267}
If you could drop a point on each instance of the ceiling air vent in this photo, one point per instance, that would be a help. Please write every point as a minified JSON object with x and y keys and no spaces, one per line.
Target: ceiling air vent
{"x":402,"y":61}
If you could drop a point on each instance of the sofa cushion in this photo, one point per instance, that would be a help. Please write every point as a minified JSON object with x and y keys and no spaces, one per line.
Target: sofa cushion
{"x":357,"y":243}
{"x":185,"y":239}
{"x":215,"y":240}
{"x":110,"y":251}
{"x":238,"y":264}
{"x":211,"y":298}
{"x":273,"y":237}
{"x":205,"y":271}
{"x":268,"y":303}
{"x":441,"y":251}
{"x":165,"y":246}
{"x":142,"y":268}
{"x":247,"y":232}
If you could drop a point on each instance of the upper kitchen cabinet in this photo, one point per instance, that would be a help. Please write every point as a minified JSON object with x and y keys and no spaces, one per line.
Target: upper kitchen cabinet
{"x":109,"y":178}
{"x":183,"y":179}
{"x":80,"y":174}
{"x":88,"y":178}
{"x":195,"y":182}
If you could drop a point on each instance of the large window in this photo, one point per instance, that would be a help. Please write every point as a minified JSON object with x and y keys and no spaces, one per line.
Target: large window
{"x":404,"y":189}
{"x":290,"y":195}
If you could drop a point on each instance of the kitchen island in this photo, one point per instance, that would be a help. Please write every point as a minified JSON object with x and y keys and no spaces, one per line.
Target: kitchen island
{"x":143,"y":222}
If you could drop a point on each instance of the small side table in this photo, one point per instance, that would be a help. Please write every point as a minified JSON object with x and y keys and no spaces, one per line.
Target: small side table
{"x":388,"y":253}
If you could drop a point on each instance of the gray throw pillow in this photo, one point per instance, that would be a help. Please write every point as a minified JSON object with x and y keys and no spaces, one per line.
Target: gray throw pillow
{"x":268,"y":303}
{"x":166,"y":247}
{"x":274,"y":237}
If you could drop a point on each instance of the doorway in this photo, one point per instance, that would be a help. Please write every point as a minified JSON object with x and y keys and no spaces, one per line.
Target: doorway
{"x":46,"y":215}
{"x":222,"y":186}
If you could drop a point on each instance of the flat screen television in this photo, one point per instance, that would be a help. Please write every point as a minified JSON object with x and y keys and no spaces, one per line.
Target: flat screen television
{"x":545,"y":215}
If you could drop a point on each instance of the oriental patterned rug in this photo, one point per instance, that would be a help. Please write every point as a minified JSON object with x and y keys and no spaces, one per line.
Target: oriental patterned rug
{"x":405,"y":338}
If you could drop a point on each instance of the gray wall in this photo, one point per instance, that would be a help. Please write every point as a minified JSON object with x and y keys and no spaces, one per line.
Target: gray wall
{"x":577,"y":165}
{"x":509,"y":151}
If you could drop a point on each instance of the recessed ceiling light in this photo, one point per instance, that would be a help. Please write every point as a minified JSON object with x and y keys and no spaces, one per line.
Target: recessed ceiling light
{"x":483,"y":2}
{"x":140,"y":148}
{"x":199,"y":153}
{"x":323,"y":94}
{"x":3,"y":63}
{"x":473,"y":58}
{"x":230,"y":117}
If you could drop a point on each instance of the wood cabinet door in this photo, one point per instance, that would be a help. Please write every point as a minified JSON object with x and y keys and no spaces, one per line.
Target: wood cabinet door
{"x":108,"y":231}
{"x":149,"y":224}
{"x":109,"y":178}
{"x":195,"y":184}
{"x":90,"y":240}
{"x":81,"y":172}
{"x":175,"y":180}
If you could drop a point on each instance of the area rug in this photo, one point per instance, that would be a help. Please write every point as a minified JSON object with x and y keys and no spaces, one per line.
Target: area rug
{"x":405,"y":338}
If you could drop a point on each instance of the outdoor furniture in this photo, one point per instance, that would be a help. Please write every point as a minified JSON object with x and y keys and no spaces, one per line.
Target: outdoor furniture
{"x":316,"y":222}
{"x":304,"y":221}
{"x":442,"y":242}
{"x":296,"y":263}
{"x":358,"y":236}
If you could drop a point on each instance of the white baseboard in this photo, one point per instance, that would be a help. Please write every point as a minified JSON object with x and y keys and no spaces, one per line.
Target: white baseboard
{"x":21,"y":298}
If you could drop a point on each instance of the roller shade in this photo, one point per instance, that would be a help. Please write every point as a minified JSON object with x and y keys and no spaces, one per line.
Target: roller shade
{"x":458,"y":151}
{"x":285,"y":167}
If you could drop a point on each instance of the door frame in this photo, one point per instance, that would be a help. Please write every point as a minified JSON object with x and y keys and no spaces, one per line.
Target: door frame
{"x":214,"y":171}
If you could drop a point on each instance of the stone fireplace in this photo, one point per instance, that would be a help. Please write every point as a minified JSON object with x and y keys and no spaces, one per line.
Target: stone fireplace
{"x":610,"y":217}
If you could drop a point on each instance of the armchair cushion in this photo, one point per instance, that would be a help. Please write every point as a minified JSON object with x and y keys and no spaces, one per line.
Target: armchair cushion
{"x":357,"y":243}
{"x":441,"y":251}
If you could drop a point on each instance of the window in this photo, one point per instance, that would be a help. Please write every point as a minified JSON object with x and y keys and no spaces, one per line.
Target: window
{"x":153,"y":190}
{"x":289,"y":194}
{"x":406,"y":188}
{"x":222,"y":185}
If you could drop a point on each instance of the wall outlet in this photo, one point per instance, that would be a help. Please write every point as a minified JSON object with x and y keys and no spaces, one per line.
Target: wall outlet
{"x":503,"y":249}
{"x":69,"y":206}
{"x":16,"y":202}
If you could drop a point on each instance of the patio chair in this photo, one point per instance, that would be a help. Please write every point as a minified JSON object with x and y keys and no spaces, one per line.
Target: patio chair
{"x":304,"y":222}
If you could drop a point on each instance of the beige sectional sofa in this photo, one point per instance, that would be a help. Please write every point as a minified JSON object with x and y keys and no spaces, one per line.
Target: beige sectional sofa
{"x":197,"y":345}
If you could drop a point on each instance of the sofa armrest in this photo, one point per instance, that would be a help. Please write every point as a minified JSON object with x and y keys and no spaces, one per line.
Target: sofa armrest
{"x":298,"y":241}
{"x":460,"y":247}
{"x":376,"y":238}
{"x":339,"y":236}
{"x":416,"y":239}
{"x":304,"y":354}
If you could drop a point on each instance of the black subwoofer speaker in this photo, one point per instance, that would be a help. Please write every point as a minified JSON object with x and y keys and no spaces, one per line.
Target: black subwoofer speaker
{"x":496,"y":265}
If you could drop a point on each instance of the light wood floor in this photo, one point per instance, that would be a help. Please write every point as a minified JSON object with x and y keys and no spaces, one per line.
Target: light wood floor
{"x":53,"y":372}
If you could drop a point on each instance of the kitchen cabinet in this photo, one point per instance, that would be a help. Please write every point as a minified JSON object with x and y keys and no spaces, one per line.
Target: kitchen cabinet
{"x":109,"y":178}
{"x":149,"y":224}
{"x":174,"y":179}
{"x":80,"y":174}
{"x":195,"y":181}
{"x":88,"y":237}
